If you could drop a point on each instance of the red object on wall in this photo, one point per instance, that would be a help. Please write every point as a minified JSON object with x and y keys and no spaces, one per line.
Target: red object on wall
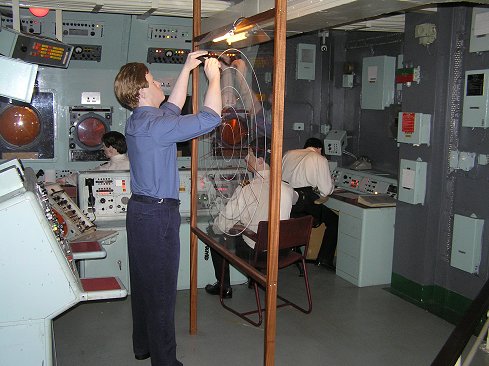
{"x":408,"y":123}
{"x":39,"y":12}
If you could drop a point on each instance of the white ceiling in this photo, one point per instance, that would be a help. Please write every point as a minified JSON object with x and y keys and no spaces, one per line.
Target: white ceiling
{"x":181,"y":8}
{"x":310,"y":15}
{"x":302,"y":15}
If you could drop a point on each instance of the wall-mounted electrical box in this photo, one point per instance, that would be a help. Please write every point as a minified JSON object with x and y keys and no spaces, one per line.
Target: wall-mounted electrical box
{"x":412,"y":181}
{"x":466,"y":243}
{"x":335,"y":142}
{"x":348,"y":80}
{"x":306,"y":61}
{"x":479,"y":30}
{"x":378,"y":76}
{"x":462,"y":160}
{"x":414,"y":128}
{"x":425,"y":33}
{"x":476,"y":99}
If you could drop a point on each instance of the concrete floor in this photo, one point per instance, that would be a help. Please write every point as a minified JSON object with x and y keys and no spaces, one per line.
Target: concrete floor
{"x":348,"y":326}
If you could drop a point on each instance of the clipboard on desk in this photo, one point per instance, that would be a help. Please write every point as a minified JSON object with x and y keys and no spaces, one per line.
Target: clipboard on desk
{"x":376,"y":200}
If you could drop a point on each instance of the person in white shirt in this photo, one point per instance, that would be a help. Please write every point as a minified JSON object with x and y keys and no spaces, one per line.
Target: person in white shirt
{"x":114,"y":148}
{"x":307,"y":171}
{"x":248,"y":206}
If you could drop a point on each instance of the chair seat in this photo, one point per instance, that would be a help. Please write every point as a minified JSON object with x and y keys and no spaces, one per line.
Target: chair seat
{"x":284,"y":260}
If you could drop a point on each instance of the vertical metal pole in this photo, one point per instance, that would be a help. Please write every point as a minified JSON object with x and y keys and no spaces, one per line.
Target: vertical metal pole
{"x":59,"y":25}
{"x":193,"y":184}
{"x":275,"y":179}
{"x":15,"y":15}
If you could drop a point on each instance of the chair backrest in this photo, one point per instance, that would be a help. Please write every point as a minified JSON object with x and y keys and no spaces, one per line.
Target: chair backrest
{"x":294,"y":232}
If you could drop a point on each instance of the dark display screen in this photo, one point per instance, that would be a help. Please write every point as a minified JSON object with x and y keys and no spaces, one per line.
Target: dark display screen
{"x":475,"y":85}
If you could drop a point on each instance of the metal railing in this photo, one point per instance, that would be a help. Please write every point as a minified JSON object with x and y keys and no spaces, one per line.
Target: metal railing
{"x":450,"y":353}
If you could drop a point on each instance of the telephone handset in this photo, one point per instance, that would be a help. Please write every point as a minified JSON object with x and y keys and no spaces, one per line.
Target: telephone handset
{"x":362,"y":163}
{"x":89,"y":182}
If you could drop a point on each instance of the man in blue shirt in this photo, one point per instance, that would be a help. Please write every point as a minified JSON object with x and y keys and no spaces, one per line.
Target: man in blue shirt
{"x":153,"y":219}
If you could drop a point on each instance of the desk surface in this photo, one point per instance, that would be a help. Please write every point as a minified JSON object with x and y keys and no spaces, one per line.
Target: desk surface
{"x":351,"y":198}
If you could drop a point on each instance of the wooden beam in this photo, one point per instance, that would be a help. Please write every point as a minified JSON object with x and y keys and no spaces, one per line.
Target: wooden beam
{"x":197,"y":12}
{"x":275,"y":179}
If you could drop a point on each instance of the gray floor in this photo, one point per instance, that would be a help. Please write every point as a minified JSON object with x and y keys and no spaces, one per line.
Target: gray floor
{"x":348,"y":326}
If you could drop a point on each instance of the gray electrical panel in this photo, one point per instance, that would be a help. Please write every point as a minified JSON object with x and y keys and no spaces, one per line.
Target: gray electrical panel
{"x":378,"y":76}
{"x":476,"y":99}
{"x":306,"y":61}
{"x":466,"y":243}
{"x":479,"y":30}
{"x":412,"y":181}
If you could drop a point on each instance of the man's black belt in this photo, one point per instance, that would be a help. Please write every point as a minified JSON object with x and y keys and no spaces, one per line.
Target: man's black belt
{"x":148,"y":199}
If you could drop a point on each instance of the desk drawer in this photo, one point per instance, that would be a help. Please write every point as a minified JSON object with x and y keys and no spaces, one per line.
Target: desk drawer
{"x":349,"y":265}
{"x":349,"y":244}
{"x":350,"y":225}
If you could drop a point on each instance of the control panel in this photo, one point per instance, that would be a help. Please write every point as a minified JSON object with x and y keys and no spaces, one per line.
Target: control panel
{"x":56,"y":227}
{"x":87,"y":52}
{"x":335,"y":142}
{"x":215,"y":187}
{"x":365,"y":182}
{"x":83,"y":28}
{"x":177,"y":33}
{"x":166,"y":55}
{"x":76,"y":222}
{"x":46,"y":272}
{"x":37,"y":50}
{"x":104,"y":194}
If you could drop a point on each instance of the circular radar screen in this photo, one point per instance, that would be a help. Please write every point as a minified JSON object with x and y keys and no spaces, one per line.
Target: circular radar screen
{"x":90,"y":132}
{"x":19,"y":126}
{"x":231,"y":188}
{"x":233,"y":130}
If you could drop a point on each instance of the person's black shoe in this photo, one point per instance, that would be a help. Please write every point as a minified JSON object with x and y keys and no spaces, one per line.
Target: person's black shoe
{"x":142,"y":357}
{"x":215,"y":289}
{"x":328,"y":266}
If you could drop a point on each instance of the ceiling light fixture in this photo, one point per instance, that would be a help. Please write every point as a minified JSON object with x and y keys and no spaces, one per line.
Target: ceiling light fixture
{"x":243,"y":32}
{"x":232,"y":35}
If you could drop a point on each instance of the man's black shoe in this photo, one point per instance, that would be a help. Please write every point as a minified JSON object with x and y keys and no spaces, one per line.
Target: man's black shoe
{"x":142,"y":357}
{"x":328,"y":266}
{"x":216,"y":288}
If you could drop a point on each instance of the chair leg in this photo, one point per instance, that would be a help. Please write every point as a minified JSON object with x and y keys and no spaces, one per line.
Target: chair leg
{"x":244,"y":315}
{"x":308,"y":292}
{"x":259,"y":310}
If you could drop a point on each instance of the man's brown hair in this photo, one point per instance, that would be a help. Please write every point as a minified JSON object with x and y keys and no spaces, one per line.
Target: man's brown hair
{"x":130,"y":79}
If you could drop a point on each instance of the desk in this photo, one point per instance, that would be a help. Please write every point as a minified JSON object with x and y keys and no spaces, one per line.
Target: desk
{"x":365,"y":241}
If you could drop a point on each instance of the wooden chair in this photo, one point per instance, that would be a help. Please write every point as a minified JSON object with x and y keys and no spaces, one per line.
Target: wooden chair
{"x":294,"y":233}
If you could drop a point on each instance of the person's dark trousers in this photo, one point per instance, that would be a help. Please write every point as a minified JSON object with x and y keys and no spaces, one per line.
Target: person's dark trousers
{"x":330,"y":238}
{"x":217,"y":260}
{"x":322,"y":214}
{"x":154,"y":254}
{"x":242,"y":250}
